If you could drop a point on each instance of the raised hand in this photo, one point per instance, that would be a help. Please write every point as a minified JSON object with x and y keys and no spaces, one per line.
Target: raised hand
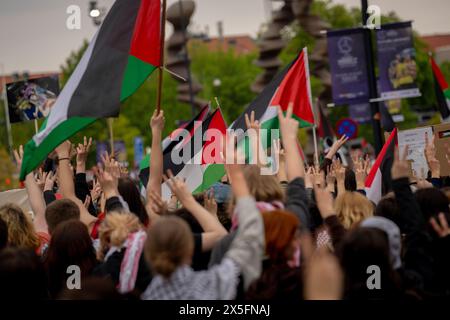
{"x":331,"y":179}
{"x":82,"y":152}
{"x":400,"y":167}
{"x":156,"y":204}
{"x":96,"y":191}
{"x":111,"y":165}
{"x":210,"y":202}
{"x":18,"y":156}
{"x":178,"y":187}
{"x":440,"y":225}
{"x":288,"y":125}
{"x":64,"y":150}
{"x":252,"y":124}
{"x":108,"y":182}
{"x":50,"y":181}
{"x":41,"y":177}
{"x":157,"y":121}
{"x":309,"y":177}
{"x":336,"y":146}
{"x":318,"y":176}
{"x":325,"y":201}
{"x":361,"y":169}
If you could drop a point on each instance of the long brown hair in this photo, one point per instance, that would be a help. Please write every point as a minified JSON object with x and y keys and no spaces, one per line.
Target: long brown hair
{"x":21,"y":231}
{"x":169,"y":244}
{"x":70,"y":245}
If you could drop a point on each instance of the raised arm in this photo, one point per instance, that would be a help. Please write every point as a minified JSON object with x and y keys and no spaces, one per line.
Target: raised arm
{"x":247,"y":248}
{"x":297,"y":198}
{"x":66,"y":185}
{"x":213,"y":230}
{"x":156,"y":162}
{"x":35,"y":196}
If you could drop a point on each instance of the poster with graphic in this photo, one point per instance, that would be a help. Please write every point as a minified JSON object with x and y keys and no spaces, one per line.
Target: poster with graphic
{"x":31,"y":99}
{"x":396,"y":61}
{"x":348,"y":66}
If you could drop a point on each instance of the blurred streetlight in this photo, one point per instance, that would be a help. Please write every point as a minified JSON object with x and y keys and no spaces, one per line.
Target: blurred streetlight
{"x":96,"y":13}
{"x":217,"y":82}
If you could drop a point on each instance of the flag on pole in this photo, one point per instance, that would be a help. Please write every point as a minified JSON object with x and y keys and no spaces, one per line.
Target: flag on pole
{"x":120,"y":57}
{"x":201,"y":165}
{"x":378,"y":180}
{"x":290,"y":85}
{"x":442,"y":90}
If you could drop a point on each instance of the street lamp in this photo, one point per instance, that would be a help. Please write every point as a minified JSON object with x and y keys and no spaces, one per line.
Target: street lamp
{"x":96,"y":13}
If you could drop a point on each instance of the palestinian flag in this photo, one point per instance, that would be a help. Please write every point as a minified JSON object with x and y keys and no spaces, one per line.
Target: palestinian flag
{"x":290,"y":85}
{"x":193,"y":158}
{"x":120,"y":57}
{"x":442,"y":90}
{"x":378,"y":182}
{"x":171,"y":140}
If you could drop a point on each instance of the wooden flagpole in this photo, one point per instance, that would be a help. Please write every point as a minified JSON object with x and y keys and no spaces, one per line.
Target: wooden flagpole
{"x":111,"y":135}
{"x":161,"y":63}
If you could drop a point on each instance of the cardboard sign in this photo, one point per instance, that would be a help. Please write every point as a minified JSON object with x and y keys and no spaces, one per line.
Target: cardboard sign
{"x":415,"y":139}
{"x":442,"y":142}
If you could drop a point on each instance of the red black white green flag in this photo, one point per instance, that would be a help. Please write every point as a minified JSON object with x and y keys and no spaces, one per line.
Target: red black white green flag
{"x":120,"y":57}
{"x":442,"y":90}
{"x":378,"y":181}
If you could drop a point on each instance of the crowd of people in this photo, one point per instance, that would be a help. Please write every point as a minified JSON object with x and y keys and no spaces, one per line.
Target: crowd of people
{"x":308,"y":232}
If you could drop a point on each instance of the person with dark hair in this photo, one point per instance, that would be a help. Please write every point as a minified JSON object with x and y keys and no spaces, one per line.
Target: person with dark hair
{"x":59,"y":211}
{"x":70,"y":245}
{"x":361,"y":249}
{"x":22,"y":275}
{"x":3,"y":234}
{"x":130,"y":194}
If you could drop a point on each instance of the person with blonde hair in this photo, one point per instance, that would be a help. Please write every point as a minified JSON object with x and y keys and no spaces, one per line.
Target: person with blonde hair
{"x":353,"y":207}
{"x":21,"y":233}
{"x":122,"y":240}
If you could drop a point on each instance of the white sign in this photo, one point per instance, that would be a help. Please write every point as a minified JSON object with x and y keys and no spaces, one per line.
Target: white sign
{"x":415,"y":139}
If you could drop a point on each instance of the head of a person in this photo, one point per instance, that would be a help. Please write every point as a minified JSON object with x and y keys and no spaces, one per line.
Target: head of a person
{"x":280,"y":228}
{"x":115,"y":229}
{"x":169,"y":245}
{"x":187,"y":216}
{"x":21,"y":231}
{"x":130,"y":193}
{"x":364,"y":251}
{"x":446,"y":191}
{"x":393,"y":233}
{"x":352,"y":207}
{"x":387,"y":207}
{"x":60,"y":211}
{"x":432,"y":201}
{"x":264,"y":188}
{"x":70,"y":244}
{"x":3,"y":234}
{"x":22,"y":275}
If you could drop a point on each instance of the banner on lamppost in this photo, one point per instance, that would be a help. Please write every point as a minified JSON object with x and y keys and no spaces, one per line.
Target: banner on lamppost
{"x":396,"y":61}
{"x":348,"y":66}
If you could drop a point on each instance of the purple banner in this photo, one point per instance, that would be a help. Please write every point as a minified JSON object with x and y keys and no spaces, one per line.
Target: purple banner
{"x":361,"y":113}
{"x":396,"y":61}
{"x":348,"y":66}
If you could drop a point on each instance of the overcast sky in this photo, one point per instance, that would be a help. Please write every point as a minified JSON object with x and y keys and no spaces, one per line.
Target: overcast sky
{"x":34,"y":37}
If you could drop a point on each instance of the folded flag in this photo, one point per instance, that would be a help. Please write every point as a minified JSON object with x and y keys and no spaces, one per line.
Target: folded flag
{"x":120,"y":57}
{"x":442,"y":90}
{"x":378,"y":181}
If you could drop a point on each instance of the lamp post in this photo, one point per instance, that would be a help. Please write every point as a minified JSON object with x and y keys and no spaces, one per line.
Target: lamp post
{"x":96,"y":13}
